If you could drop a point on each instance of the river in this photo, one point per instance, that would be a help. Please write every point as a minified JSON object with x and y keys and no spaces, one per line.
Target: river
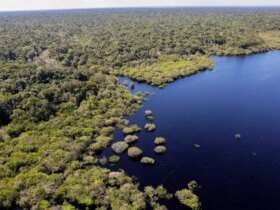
{"x":240,"y":95}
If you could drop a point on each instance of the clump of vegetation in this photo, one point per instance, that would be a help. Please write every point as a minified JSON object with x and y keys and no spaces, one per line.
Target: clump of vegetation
{"x":154,"y":195}
{"x":101,"y":142}
{"x":119,"y":147}
{"x":114,"y":159}
{"x":134,"y":152}
{"x":88,"y":188}
{"x":147,"y":161}
{"x":131,"y":139}
{"x":159,"y":141}
{"x":167,"y":69}
{"x":149,"y":127}
{"x":131,"y":129}
{"x":188,"y":198}
{"x":160,"y":149}
{"x":149,"y":115}
{"x":89,"y":160}
{"x":112,"y":121}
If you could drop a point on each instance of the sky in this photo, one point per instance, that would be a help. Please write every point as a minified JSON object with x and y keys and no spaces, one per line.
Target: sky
{"x":9,"y":5}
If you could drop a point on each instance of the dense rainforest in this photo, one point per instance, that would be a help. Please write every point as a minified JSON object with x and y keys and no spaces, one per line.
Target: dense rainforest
{"x":60,"y":99}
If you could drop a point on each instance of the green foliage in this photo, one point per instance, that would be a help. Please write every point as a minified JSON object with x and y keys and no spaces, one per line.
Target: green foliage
{"x":167,"y":69}
{"x":134,"y":152}
{"x":88,"y":188}
{"x":54,"y":119}
{"x":131,"y":129}
{"x":83,"y":186}
{"x":149,"y":127}
{"x":154,"y":195}
{"x":187,"y":196}
{"x":114,"y":159}
{"x":119,"y":147}
{"x":86,"y":38}
{"x":8,"y":193}
{"x":159,"y":140}
{"x":147,"y":160}
{"x":60,"y":100}
{"x":160,"y":149}
{"x":189,"y":199}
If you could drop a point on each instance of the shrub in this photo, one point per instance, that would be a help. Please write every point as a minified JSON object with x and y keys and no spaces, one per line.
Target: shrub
{"x":147,"y":161}
{"x":131,"y":139}
{"x":101,"y":142}
{"x":119,"y":147}
{"x":189,"y":199}
{"x":150,"y":127}
{"x":159,"y":140}
{"x":131,"y":129}
{"x":114,"y":159}
{"x":154,"y":195}
{"x":134,"y":152}
{"x":160,"y":149}
{"x":106,"y":131}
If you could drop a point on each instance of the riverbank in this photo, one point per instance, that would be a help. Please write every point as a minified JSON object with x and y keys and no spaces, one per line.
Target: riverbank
{"x":237,"y":96}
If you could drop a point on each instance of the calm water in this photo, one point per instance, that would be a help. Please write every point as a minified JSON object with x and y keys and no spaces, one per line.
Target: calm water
{"x":240,"y":95}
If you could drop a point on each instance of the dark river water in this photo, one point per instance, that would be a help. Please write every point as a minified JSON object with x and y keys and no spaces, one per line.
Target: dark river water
{"x":240,"y":95}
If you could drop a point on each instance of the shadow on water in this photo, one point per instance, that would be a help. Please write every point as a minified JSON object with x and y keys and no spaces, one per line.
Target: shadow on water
{"x":241,"y":95}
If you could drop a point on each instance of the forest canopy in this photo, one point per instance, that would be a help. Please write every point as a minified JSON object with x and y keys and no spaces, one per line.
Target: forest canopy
{"x":60,"y":99}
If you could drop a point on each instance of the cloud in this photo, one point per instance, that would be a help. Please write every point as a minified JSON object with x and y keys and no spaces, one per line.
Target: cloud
{"x":60,"y":4}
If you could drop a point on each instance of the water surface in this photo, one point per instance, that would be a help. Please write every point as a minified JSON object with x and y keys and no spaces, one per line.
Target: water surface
{"x":240,"y":95}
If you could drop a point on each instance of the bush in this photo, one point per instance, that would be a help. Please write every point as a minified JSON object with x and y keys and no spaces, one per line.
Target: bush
{"x":119,"y":147}
{"x":159,"y":140}
{"x":131,"y":139}
{"x":154,"y":195}
{"x":106,"y":131}
{"x":160,"y":149}
{"x":134,"y":152}
{"x":149,"y":127}
{"x":114,"y":159}
{"x":101,"y":142}
{"x":131,"y":129}
{"x":147,"y":161}
{"x":189,"y":199}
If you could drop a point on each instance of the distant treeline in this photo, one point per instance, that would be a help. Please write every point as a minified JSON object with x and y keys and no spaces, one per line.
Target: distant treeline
{"x":119,"y":36}
{"x":60,"y":100}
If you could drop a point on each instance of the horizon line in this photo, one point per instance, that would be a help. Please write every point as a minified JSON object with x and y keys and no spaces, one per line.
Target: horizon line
{"x":140,"y":7}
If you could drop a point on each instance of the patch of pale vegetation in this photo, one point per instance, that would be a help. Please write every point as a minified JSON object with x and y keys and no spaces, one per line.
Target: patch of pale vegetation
{"x":167,"y":69}
{"x":271,"y":38}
